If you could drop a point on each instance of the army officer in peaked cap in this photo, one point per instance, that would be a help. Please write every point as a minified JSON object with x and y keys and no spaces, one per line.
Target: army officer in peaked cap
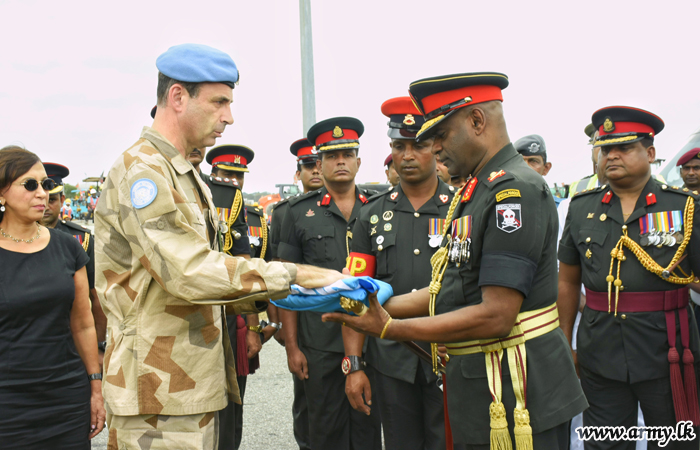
{"x":492,"y":297}
{"x":317,"y":229}
{"x":633,"y":245}
{"x":397,"y":233}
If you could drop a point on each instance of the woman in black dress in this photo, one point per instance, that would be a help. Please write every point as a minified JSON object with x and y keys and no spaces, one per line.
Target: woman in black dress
{"x":50,"y":381}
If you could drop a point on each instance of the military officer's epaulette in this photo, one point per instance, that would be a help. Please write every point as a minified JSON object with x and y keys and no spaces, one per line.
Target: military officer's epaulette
{"x":497,"y":177}
{"x":258,"y":211}
{"x":380,"y":195}
{"x":680,"y":190}
{"x":224,"y":181}
{"x":75,"y":226}
{"x":588,"y":191}
{"x":280,"y":203}
{"x":293,"y":201}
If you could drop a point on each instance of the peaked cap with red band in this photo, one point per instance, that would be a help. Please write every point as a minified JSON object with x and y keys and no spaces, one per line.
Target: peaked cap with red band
{"x":625,"y":125}
{"x":304,"y":151}
{"x":338,"y":133}
{"x":439,"y":97}
{"x":404,"y":118}
{"x":57,"y":172}
{"x":231,"y":157}
{"x":694,"y":153}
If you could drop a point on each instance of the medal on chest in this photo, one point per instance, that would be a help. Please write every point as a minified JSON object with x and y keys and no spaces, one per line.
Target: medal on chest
{"x":223,"y":214}
{"x":661,"y":229}
{"x":459,"y":247}
{"x":435,"y":232}
{"x":254,"y":235}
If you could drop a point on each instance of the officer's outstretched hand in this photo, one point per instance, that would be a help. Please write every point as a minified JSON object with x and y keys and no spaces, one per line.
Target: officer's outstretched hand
{"x":312,"y":277}
{"x":357,"y":385}
{"x":371,"y":323}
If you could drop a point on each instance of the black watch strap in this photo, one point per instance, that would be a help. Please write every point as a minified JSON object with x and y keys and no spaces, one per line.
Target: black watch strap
{"x":352,"y":364}
{"x":101,"y":346}
{"x":95,"y":376}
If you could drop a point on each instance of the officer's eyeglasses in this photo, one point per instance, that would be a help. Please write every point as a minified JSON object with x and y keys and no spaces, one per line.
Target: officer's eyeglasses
{"x":31,"y":184}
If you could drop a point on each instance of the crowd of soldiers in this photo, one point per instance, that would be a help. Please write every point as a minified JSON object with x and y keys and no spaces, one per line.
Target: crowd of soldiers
{"x":471,"y":240}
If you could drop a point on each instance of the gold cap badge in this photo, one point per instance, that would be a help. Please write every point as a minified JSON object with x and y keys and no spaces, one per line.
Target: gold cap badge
{"x":337,"y":132}
{"x":409,"y":120}
{"x":608,"y":125}
{"x":237,"y":160}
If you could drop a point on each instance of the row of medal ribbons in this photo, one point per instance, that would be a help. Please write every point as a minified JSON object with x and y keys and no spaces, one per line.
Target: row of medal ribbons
{"x":661,"y":229}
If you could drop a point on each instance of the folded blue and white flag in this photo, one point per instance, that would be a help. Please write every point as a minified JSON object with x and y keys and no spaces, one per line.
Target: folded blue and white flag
{"x":327,"y":299}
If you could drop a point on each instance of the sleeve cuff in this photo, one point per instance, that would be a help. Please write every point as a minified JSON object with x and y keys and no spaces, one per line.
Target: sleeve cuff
{"x":509,"y":270}
{"x":568,"y":255}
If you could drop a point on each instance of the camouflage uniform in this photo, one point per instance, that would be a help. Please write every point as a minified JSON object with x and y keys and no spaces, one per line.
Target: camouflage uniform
{"x":162,"y":282}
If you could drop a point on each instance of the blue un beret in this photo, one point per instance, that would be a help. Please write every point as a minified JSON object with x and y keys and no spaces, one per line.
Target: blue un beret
{"x":196,"y":63}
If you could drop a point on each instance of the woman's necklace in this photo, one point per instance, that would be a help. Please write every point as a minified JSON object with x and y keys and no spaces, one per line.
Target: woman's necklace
{"x":28,"y":241}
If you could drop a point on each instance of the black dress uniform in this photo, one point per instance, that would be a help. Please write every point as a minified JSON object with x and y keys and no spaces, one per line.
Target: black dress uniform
{"x":258,"y":233}
{"x":623,"y":345}
{"x":399,"y":241}
{"x":314,"y":231}
{"x":502,"y":233}
{"x":233,"y":234}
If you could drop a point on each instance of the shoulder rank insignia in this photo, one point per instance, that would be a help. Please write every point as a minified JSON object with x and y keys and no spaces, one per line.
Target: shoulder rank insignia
{"x":468,"y":190}
{"x":337,"y":132}
{"x":495,"y":175}
{"x":508,"y":193}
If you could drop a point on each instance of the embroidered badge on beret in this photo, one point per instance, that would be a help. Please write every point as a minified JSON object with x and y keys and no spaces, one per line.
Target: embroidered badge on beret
{"x":508,"y":217}
{"x":143,"y":192}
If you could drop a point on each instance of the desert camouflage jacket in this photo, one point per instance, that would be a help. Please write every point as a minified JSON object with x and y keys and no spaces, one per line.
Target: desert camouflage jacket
{"x":162,"y":283}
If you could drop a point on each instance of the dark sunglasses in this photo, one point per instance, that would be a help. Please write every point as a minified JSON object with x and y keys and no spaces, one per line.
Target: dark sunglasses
{"x":31,"y":184}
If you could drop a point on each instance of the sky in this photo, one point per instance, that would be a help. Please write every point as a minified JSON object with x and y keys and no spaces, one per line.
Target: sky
{"x":79,"y":78}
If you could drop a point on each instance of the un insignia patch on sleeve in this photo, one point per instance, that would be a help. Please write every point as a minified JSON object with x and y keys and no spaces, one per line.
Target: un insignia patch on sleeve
{"x":143,"y":192}
{"x":508,"y":217}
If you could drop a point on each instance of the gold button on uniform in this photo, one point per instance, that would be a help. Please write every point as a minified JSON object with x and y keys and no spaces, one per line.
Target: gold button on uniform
{"x":588,"y":240}
{"x":623,"y":316}
{"x":416,"y":214}
{"x":380,"y":247}
{"x":603,"y":217}
{"x":416,"y":252}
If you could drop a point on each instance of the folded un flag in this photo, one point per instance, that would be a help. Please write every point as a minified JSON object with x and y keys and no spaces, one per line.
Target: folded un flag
{"x":327,"y":299}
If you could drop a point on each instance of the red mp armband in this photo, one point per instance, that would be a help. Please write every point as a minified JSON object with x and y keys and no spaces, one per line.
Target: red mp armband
{"x":361,"y":264}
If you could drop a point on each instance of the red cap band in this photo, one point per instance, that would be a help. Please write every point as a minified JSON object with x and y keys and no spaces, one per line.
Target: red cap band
{"x":478,"y":94}
{"x":328,"y":136}
{"x":362,"y":264}
{"x":235,"y":159}
{"x":305,"y":151}
{"x":627,"y":127}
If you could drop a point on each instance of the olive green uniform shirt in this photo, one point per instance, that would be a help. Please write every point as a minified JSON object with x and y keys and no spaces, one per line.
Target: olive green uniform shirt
{"x":402,"y":247}
{"x":631,"y":347}
{"x":513,"y":244}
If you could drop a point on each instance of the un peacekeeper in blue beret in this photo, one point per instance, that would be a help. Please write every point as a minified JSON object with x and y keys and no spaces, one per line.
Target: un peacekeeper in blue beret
{"x":169,"y":366}
{"x":492,"y":297}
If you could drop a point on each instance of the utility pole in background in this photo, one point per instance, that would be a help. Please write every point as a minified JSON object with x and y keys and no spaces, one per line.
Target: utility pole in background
{"x":308,"y":94}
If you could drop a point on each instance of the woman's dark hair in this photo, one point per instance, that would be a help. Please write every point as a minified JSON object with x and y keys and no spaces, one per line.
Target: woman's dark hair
{"x":14,"y":162}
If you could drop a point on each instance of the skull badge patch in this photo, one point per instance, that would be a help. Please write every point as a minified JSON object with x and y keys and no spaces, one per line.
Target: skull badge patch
{"x":509,"y":217}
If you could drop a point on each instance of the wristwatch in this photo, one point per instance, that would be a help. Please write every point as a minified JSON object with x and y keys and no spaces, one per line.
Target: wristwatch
{"x":276,"y":325}
{"x":95,"y":376}
{"x":101,"y":346}
{"x":352,"y":364}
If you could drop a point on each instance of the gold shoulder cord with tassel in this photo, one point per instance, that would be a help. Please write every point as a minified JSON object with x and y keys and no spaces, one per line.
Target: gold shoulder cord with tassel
{"x":235,"y":211}
{"x":263,"y":231}
{"x":500,"y":438}
{"x":647,"y":262}
{"x":86,"y":242}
